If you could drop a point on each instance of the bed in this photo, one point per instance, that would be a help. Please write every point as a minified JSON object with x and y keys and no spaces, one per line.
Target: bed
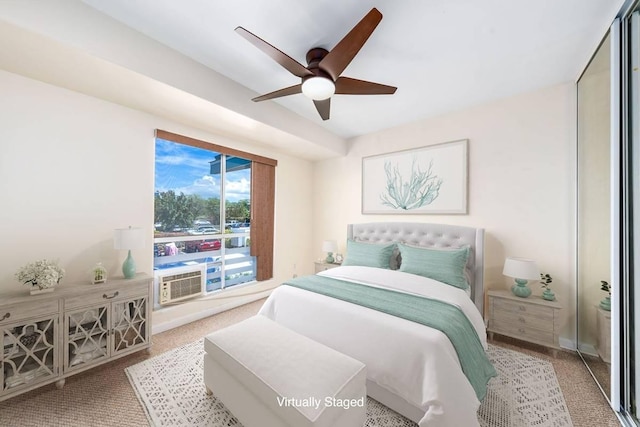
{"x":411,"y":368}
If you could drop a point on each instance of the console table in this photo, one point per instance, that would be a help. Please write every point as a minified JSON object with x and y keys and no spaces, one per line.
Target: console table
{"x":48,"y":337}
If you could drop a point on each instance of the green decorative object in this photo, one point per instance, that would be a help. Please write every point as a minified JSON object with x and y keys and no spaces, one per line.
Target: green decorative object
{"x":329,"y":259}
{"x":548,"y":295}
{"x":520,"y":289}
{"x":127,"y":239}
{"x":99,"y":274}
{"x":545,"y":281}
{"x":129,"y":267}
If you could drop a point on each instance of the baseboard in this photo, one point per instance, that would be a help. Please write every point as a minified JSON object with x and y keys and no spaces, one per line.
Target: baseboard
{"x":237,"y":302}
{"x":589,"y":349}
{"x":567,"y":344}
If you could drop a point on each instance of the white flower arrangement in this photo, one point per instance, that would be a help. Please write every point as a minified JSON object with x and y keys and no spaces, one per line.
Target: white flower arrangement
{"x":43,"y":274}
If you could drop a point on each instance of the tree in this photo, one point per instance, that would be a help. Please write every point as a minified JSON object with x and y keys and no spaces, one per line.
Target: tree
{"x":173,"y":210}
{"x":212,"y":210}
{"x":240,"y":210}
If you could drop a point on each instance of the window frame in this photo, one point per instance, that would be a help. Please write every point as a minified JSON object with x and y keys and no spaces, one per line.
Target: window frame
{"x":262,"y":190}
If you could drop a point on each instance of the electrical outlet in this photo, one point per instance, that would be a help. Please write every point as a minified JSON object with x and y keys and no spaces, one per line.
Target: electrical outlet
{"x":294,"y":271}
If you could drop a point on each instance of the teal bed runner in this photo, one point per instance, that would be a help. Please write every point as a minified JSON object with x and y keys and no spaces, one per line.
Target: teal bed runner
{"x":430,"y":312}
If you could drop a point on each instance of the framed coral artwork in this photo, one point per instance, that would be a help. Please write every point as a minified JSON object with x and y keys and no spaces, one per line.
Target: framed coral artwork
{"x":426,"y":180}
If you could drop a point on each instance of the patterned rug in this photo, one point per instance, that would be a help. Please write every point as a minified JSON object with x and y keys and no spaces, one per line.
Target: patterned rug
{"x":525,"y":393}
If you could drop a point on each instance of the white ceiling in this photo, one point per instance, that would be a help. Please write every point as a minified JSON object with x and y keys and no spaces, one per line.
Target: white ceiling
{"x":442,"y":55}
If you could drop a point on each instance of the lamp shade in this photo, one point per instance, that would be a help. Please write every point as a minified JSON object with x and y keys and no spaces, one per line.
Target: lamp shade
{"x":128,"y":238}
{"x":329,"y":246}
{"x":521,"y":268}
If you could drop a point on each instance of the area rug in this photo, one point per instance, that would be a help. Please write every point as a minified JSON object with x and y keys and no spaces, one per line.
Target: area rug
{"x":525,"y":393}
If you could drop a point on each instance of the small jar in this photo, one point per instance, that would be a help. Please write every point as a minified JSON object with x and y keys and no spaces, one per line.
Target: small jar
{"x":98,"y":274}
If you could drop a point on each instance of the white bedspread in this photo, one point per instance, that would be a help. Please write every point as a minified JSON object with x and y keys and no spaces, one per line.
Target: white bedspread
{"x":417,"y":363}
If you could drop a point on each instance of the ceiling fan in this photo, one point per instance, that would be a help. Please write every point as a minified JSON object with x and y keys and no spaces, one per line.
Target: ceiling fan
{"x":321,"y":78}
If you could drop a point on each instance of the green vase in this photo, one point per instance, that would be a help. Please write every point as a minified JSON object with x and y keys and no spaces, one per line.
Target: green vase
{"x":548,"y":295}
{"x":605,"y":304}
{"x":520,"y":289}
{"x":129,"y":267}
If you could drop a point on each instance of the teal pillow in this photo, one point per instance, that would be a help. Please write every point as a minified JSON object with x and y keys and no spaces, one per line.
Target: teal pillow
{"x":369,"y":254}
{"x":447,"y":266}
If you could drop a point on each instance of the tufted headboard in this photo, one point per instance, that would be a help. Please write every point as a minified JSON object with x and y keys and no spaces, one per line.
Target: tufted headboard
{"x":431,"y":236}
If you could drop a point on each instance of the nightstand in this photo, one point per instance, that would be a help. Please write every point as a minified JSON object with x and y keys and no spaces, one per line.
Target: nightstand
{"x":322,"y":266}
{"x":603,"y":323}
{"x":531,"y":319}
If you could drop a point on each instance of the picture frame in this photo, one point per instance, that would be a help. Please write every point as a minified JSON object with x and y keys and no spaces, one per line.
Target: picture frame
{"x":425,"y":180}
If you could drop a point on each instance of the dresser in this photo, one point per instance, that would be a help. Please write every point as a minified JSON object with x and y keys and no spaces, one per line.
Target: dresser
{"x":48,"y":337}
{"x":531,"y":319}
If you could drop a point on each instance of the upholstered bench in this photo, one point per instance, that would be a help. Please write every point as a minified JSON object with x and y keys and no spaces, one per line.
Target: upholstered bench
{"x":270,"y":376}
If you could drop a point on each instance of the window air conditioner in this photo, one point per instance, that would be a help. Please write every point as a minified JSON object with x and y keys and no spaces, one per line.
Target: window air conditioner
{"x":181,"y":283}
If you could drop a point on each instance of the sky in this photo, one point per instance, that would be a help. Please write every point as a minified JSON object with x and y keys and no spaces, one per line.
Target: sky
{"x":185,"y":169}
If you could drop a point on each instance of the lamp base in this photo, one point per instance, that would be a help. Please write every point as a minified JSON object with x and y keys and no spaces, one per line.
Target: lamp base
{"x":129,"y":267}
{"x":520,"y":289}
{"x":329,"y":259}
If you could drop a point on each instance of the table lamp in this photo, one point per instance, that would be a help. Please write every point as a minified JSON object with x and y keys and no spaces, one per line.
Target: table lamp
{"x":329,"y":246}
{"x":128,"y":238}
{"x":521,"y":270}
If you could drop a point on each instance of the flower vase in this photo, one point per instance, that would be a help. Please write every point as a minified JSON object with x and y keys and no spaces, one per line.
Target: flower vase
{"x":548,"y":295}
{"x":605,"y":304}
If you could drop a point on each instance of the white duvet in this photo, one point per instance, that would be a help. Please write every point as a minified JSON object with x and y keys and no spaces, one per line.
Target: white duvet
{"x":416,"y":363}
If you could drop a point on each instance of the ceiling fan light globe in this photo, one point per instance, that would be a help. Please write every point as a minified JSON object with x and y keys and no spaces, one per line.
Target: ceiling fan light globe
{"x":318,"y":88}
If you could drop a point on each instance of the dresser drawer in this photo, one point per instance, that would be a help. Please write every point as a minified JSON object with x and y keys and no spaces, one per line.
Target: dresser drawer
{"x":11,"y":313}
{"x":526,"y":333}
{"x":105,"y":295}
{"x":523,"y":320}
{"x":539,"y":312}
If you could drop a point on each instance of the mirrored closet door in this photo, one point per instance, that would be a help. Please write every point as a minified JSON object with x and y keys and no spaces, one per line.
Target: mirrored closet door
{"x":593,"y":216}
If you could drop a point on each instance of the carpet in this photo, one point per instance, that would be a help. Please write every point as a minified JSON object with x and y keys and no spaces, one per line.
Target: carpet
{"x":525,"y":393}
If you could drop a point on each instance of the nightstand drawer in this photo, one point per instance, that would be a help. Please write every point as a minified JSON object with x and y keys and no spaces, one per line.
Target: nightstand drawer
{"x":543,"y":314}
{"x":525,"y":333}
{"x":523,"y":320}
{"x":323,"y":266}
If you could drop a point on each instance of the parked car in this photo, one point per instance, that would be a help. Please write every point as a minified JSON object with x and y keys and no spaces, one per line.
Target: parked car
{"x":202,"y":245}
{"x":240,"y":225}
{"x":203,"y":230}
{"x":208,"y":230}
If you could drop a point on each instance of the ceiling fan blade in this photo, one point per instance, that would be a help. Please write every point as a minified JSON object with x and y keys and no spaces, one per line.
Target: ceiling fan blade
{"x":292,"y":90}
{"x":343,"y":53}
{"x":349,"y":86}
{"x":323,"y":108}
{"x":293,"y":66}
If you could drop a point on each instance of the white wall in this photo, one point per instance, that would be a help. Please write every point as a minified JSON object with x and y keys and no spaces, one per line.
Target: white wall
{"x":521,"y":183}
{"x":73,"y":168}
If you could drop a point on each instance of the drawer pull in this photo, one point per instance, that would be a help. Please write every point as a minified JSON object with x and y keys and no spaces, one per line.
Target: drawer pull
{"x":522,"y":308}
{"x":112,"y":296}
{"x":6,"y":316}
{"x":522,"y":320}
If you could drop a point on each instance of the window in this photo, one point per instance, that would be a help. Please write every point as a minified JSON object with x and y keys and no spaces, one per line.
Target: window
{"x":213,"y":207}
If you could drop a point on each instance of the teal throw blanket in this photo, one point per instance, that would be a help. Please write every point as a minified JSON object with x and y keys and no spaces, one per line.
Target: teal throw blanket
{"x":430,"y":312}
